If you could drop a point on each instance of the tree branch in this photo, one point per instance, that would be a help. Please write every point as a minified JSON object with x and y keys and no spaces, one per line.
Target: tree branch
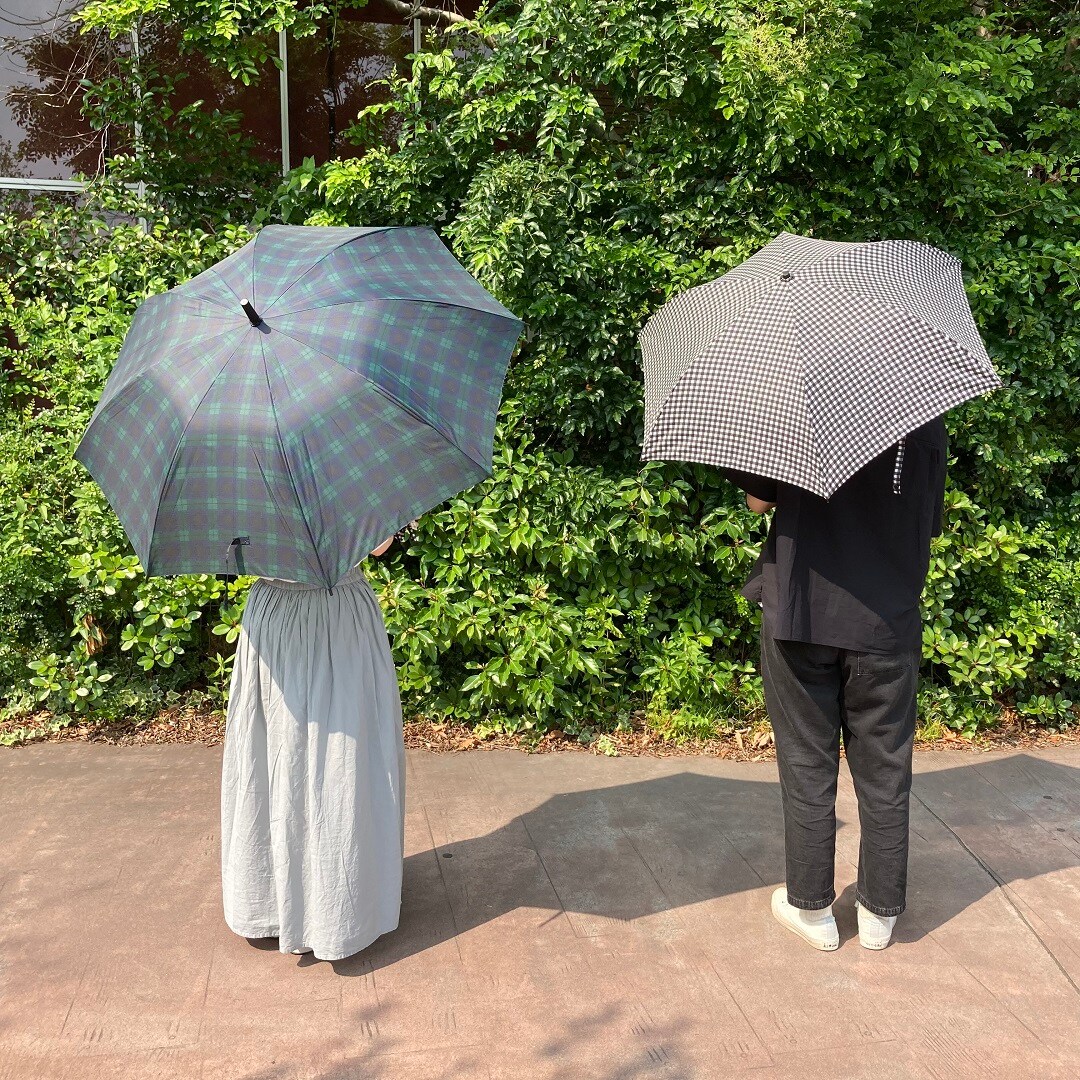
{"x":420,"y":11}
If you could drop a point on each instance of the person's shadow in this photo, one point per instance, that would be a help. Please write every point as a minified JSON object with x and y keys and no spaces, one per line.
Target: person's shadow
{"x":641,"y":849}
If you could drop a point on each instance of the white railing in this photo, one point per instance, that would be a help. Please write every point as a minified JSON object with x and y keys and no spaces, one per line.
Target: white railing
{"x":29,"y":183}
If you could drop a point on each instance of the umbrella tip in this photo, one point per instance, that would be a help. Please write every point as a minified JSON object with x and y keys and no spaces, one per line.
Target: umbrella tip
{"x":253,"y":316}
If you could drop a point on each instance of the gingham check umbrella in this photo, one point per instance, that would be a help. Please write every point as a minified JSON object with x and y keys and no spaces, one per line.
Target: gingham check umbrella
{"x":806,"y":361}
{"x":299,"y":402}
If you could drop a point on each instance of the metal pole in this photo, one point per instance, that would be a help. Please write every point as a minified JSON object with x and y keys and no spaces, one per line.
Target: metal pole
{"x":138,"y":97}
{"x":141,"y":189}
{"x":283,"y":88}
{"x":416,"y":41}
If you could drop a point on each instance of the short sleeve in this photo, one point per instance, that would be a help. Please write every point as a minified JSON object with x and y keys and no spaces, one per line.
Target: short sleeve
{"x":759,"y":486}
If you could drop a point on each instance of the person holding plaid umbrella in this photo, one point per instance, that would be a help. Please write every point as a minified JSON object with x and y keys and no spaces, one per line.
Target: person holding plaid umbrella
{"x":280,"y":415}
{"x":313,"y":775}
{"x":815,"y":375}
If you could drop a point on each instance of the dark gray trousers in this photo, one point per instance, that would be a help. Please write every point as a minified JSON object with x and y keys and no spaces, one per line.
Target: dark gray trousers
{"x":815,"y":694}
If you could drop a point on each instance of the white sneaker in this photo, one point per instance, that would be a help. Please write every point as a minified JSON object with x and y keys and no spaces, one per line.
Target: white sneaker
{"x":875,"y":931}
{"x":817,"y":928}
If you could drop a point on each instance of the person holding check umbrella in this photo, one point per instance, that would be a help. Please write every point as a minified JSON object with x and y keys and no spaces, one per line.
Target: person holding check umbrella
{"x":815,"y":375}
{"x":281,"y":415}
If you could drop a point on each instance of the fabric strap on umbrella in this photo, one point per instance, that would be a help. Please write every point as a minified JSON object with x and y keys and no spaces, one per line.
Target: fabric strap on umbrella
{"x":237,"y":543}
{"x":898,"y":468}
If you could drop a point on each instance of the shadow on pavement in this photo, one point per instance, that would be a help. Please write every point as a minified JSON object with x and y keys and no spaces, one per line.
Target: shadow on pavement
{"x":624,"y":852}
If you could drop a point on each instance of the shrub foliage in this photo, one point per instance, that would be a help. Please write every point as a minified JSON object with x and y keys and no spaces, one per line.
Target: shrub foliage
{"x":586,"y":160}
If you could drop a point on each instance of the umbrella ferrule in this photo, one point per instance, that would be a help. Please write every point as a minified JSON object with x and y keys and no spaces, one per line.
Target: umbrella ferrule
{"x":253,"y":316}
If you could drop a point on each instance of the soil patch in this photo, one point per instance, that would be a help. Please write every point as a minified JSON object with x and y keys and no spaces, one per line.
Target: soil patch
{"x":208,"y":728}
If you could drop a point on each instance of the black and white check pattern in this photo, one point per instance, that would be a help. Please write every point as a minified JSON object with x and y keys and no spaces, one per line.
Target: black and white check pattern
{"x":806,"y":361}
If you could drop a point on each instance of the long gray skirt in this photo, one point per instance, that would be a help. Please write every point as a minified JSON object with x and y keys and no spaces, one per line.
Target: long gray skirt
{"x":313,"y":780}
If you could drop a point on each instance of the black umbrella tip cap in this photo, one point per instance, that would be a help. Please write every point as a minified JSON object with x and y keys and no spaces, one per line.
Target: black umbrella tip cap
{"x":253,"y":316}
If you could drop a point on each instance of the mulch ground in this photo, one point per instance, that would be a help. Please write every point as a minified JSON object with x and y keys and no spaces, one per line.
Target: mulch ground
{"x":208,"y":728}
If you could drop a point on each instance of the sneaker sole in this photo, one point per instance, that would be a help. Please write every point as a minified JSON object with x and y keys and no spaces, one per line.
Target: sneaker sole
{"x":821,"y":946}
{"x":877,"y":946}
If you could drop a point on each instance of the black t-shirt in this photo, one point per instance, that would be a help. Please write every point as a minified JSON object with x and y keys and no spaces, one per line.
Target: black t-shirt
{"x":849,"y":571}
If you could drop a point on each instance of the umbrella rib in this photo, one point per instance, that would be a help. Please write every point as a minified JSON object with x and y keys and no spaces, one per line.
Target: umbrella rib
{"x":180,"y":442}
{"x":389,"y":397}
{"x":848,"y":247}
{"x":204,"y":314}
{"x":510,"y":316}
{"x":763,"y":298}
{"x":896,"y":305}
{"x":132,"y":376}
{"x":375,"y":231}
{"x":288,"y":468}
{"x":179,"y":290}
{"x":800,"y":359}
{"x":763,"y":292}
{"x":254,"y":255}
{"x":195,"y":303}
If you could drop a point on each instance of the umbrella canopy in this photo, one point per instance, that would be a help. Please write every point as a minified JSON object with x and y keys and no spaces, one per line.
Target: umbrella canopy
{"x":806,"y":361}
{"x":299,"y":402}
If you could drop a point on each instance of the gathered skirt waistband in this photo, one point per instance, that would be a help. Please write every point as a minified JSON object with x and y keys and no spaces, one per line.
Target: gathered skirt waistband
{"x":355,"y":576}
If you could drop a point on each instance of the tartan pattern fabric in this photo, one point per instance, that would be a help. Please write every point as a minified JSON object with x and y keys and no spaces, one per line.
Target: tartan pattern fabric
{"x":454,"y":396}
{"x":366,"y":396}
{"x":172,"y":324}
{"x":132,"y":437}
{"x":806,"y":361}
{"x":392,"y":264}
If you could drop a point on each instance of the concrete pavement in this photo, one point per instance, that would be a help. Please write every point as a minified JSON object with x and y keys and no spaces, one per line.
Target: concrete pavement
{"x":565,"y":916}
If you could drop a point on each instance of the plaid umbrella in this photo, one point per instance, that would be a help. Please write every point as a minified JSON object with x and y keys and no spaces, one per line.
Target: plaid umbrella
{"x":299,"y":402}
{"x":806,"y":361}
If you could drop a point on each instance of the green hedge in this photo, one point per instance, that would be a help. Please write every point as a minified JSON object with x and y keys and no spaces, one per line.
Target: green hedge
{"x":73,"y":601}
{"x":587,"y":162}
